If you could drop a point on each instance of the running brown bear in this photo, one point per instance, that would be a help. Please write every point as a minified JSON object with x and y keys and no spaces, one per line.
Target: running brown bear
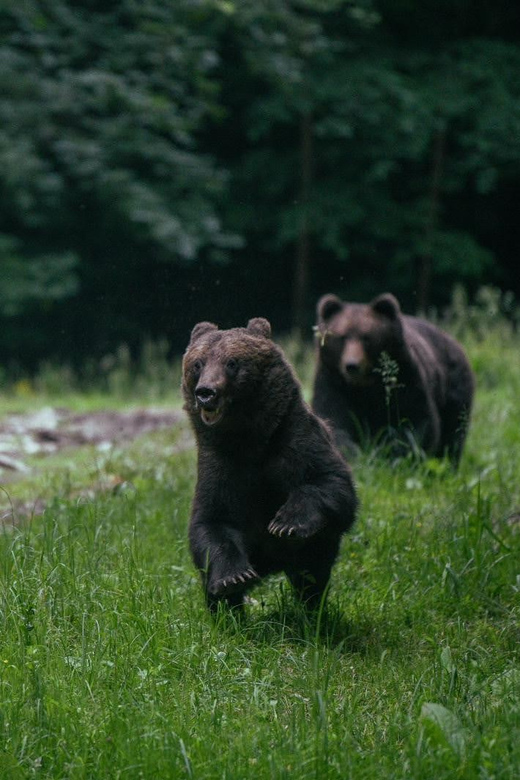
{"x":273,"y":493}
{"x":421,"y":396}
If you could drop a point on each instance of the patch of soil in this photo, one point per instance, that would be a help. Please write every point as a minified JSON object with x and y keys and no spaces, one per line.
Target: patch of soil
{"x":50,"y":430}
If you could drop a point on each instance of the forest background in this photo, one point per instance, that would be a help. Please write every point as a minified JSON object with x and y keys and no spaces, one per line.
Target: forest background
{"x":167,"y":162}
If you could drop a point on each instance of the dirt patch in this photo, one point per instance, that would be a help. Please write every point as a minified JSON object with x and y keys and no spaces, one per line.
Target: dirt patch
{"x":50,"y":430}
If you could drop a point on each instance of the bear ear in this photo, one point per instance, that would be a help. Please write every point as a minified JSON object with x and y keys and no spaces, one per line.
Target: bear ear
{"x":387,"y":305}
{"x":328,"y":306}
{"x":200,"y":329}
{"x":259,"y":326}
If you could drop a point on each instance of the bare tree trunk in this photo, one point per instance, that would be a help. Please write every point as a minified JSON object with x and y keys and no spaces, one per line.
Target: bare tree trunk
{"x":303,"y":247}
{"x":424,"y":267}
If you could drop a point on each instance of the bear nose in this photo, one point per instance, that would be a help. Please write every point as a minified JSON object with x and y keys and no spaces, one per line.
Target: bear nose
{"x":205,"y":395}
{"x":352,"y":367}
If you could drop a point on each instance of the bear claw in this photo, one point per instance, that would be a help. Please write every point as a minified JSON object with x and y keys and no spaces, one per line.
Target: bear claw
{"x":227,"y":585}
{"x":280,"y":529}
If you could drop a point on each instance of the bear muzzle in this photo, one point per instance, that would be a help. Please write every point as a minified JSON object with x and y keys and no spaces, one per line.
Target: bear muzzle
{"x":355,"y":367}
{"x":209,"y":401}
{"x":352,"y":368}
{"x":358,"y":374}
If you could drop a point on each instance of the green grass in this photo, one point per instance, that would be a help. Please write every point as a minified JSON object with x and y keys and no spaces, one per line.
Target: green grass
{"x":110,"y":666}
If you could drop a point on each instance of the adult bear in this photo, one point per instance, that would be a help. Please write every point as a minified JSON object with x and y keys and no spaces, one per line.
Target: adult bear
{"x":381,"y":373}
{"x":273,"y":493}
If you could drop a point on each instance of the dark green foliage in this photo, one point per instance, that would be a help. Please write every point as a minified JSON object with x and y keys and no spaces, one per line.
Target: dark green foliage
{"x":145,"y":144}
{"x":102,"y":105}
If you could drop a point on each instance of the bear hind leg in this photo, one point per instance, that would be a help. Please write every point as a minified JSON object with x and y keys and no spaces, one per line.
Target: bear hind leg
{"x":310,"y":574}
{"x":308,"y":589}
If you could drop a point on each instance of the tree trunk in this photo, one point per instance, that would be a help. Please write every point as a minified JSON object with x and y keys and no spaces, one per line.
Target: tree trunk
{"x":424,"y":267}
{"x":303,"y":247}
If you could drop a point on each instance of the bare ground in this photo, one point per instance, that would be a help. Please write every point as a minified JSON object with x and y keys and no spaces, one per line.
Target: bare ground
{"x":51,"y":430}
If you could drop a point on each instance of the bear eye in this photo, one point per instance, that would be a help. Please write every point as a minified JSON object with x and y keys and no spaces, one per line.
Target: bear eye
{"x":197,"y":366}
{"x":232,"y":365}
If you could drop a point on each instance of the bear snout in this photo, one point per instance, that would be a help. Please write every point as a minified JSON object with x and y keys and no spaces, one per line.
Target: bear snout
{"x":210,"y":403}
{"x":207,"y":397}
{"x":352,"y":367}
{"x":354,"y":360}
{"x":356,"y":373}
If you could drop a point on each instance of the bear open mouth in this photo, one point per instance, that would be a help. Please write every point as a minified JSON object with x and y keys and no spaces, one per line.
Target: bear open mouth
{"x":211,"y":416}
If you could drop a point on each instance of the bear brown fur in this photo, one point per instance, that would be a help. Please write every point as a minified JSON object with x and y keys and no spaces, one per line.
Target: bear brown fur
{"x":273,"y":493}
{"x":379,"y":370}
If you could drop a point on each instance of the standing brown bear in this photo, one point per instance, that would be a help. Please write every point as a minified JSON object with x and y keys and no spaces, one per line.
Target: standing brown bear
{"x":273,"y":493}
{"x":382,"y":372}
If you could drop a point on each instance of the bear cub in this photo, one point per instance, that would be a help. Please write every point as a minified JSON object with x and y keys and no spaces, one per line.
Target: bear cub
{"x":273,"y":493}
{"x":379,"y":370}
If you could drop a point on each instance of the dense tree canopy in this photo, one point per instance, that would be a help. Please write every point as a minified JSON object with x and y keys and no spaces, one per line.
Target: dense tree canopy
{"x":163,"y":162}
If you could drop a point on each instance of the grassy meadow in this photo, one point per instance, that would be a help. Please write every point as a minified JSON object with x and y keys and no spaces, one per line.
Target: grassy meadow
{"x":110,"y":666}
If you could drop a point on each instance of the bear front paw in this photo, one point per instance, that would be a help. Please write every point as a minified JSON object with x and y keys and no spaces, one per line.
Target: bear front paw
{"x":288,"y":525}
{"x":232,"y":582}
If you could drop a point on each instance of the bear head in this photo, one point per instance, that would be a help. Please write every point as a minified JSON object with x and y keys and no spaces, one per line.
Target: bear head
{"x":353,"y":336}
{"x":225,"y":373}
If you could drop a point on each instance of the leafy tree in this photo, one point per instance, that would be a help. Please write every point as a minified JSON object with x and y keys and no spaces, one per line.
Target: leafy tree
{"x":101,"y":102}
{"x":361,"y":140}
{"x":167,"y":162}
